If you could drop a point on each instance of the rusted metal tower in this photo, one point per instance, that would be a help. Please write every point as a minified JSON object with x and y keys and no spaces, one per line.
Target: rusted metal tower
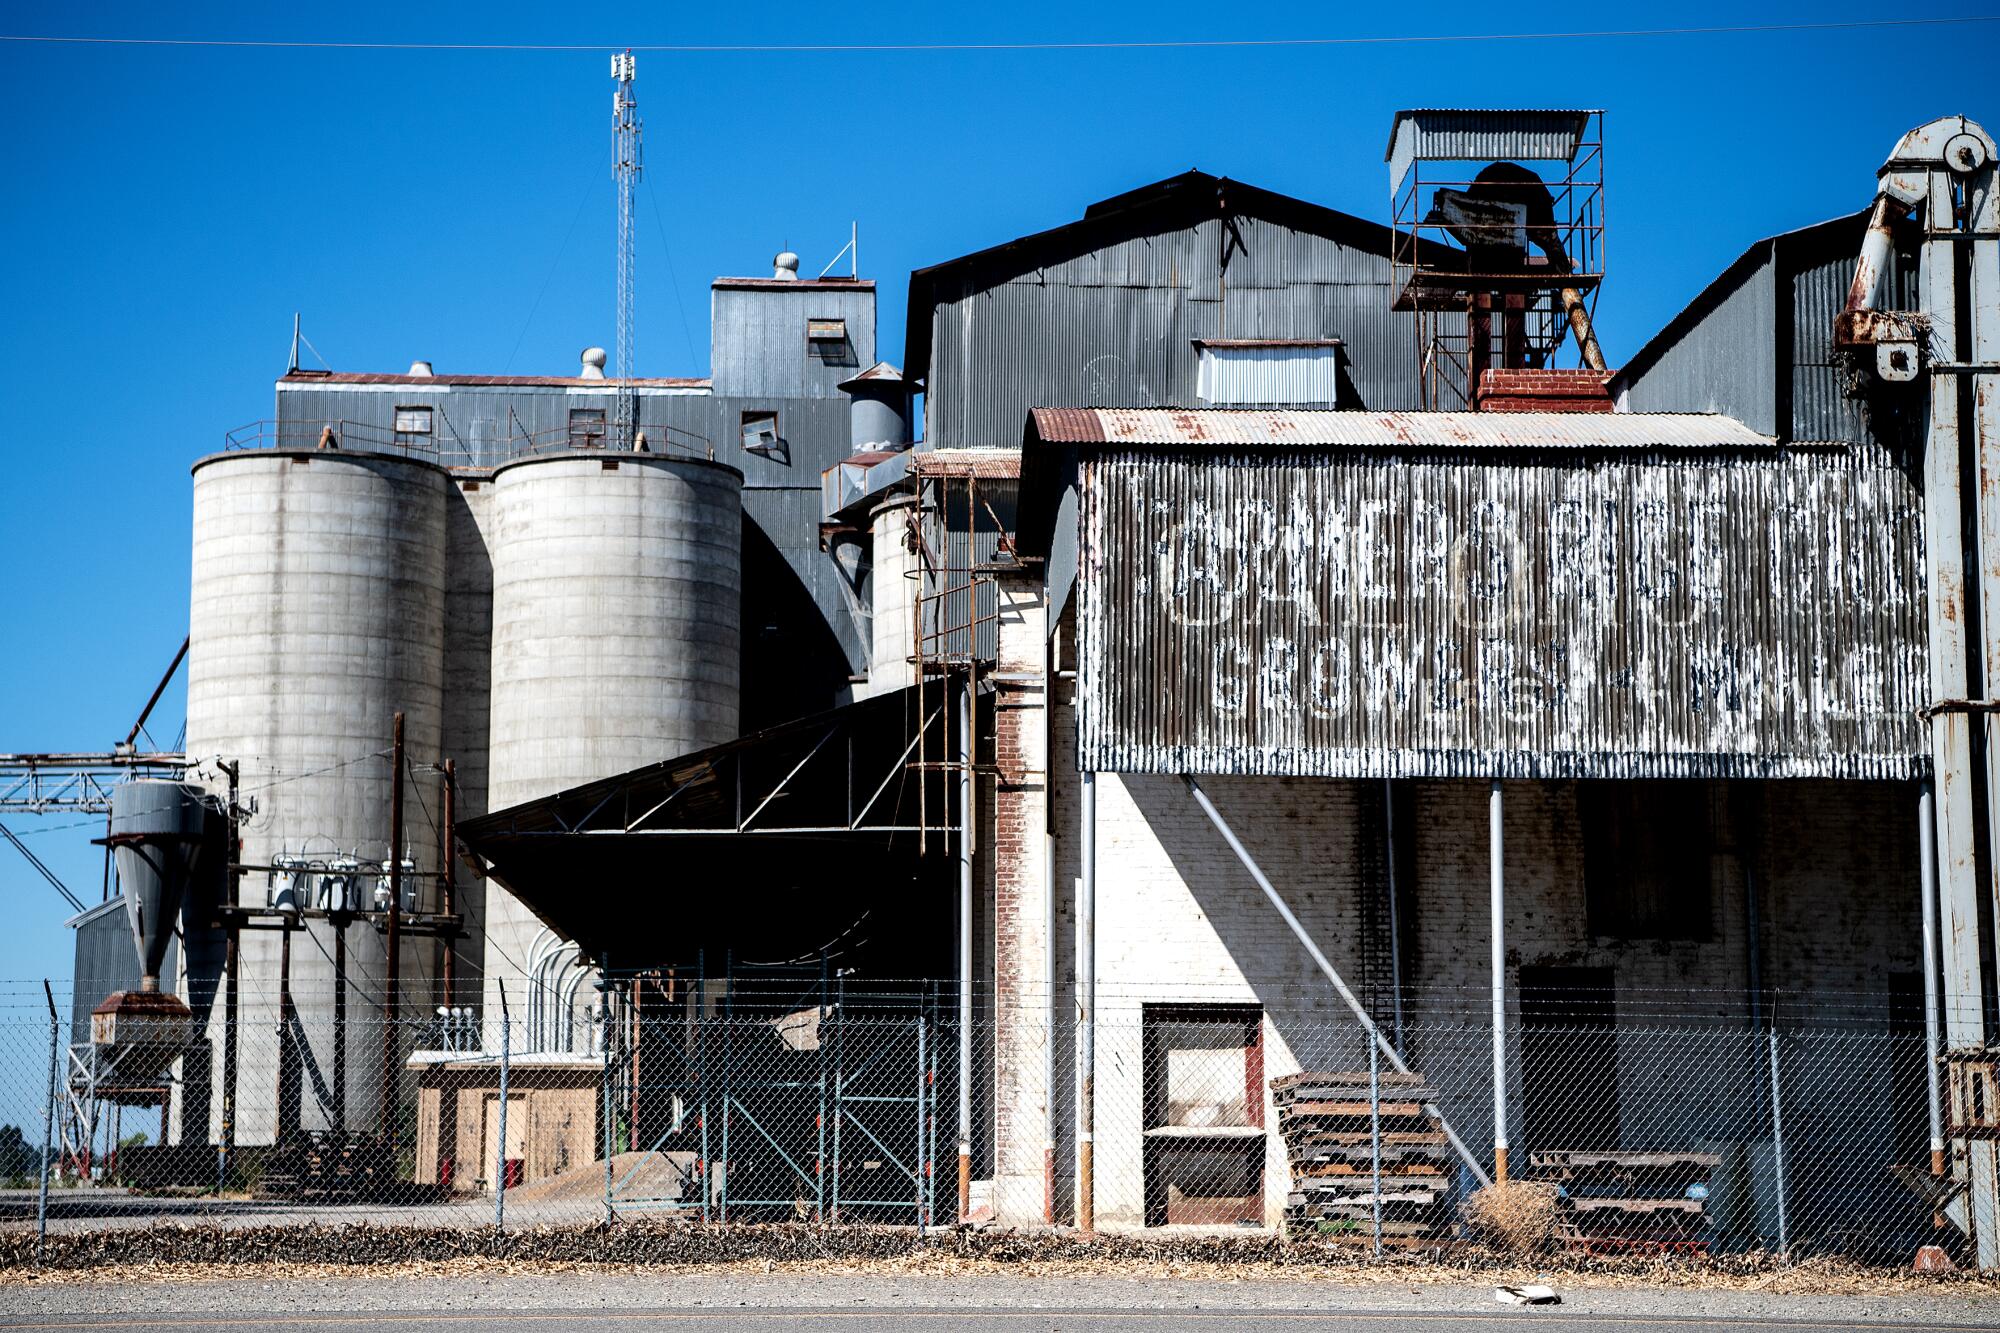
{"x":1499,"y":241}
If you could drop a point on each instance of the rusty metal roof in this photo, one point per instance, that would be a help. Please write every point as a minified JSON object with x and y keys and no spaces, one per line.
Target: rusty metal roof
{"x":796,"y":284}
{"x":1275,"y":428}
{"x":1227,"y":343}
{"x":968,"y":462}
{"x":302,"y":378}
{"x":880,"y":373}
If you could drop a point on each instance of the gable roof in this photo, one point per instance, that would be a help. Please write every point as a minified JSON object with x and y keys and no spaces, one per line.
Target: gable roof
{"x":1161,"y":206}
{"x":1833,"y":235}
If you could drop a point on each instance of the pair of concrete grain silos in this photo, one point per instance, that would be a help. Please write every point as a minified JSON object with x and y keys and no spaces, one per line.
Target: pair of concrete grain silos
{"x":559,"y":618}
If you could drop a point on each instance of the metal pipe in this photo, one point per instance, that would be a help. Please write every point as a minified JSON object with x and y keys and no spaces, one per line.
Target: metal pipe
{"x":917,"y":1148}
{"x":1778,"y":1146}
{"x":339,"y":1017}
{"x":1326,"y":967}
{"x":233,"y":975}
{"x":393,"y":987}
{"x":1086,"y":1011}
{"x":1496,"y":846}
{"x":1375,"y":1139}
{"x":49,"y":1127}
{"x":500,"y":1165}
{"x":1876,"y":246}
{"x":1048,"y":941}
{"x":1927,"y":890}
{"x":965,"y":948}
{"x":448,"y":875}
{"x":604,"y":984}
{"x":1579,"y":325}
{"x":1395,"y":911}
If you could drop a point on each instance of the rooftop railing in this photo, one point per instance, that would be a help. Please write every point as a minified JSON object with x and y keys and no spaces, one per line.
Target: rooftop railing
{"x":453,"y":451}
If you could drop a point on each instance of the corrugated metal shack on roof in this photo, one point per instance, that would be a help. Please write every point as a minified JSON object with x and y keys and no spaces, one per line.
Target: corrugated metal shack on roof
{"x":1471,"y":135}
{"x":1359,"y":594}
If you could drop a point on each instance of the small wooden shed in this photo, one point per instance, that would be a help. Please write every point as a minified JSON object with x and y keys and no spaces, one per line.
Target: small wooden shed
{"x":551,"y":1122}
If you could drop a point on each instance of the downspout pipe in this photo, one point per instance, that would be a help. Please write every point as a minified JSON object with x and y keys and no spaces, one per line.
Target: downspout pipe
{"x":965,"y":948}
{"x":1086,"y":1011}
{"x":1496,"y":807}
{"x":1928,"y":890}
{"x":1332,"y":974}
{"x":1048,"y":934}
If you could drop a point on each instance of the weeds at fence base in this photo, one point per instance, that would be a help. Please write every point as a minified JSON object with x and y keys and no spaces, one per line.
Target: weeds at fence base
{"x":1515,"y":1218}
{"x":180,"y":1252}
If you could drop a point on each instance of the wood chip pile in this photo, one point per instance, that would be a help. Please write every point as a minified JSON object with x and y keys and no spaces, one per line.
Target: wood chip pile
{"x":1325,"y":1120}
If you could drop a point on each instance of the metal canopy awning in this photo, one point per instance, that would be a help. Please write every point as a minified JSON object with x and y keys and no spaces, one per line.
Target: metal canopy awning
{"x":730,"y":849}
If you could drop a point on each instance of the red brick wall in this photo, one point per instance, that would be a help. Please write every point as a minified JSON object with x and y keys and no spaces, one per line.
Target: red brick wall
{"x":1544,"y":391}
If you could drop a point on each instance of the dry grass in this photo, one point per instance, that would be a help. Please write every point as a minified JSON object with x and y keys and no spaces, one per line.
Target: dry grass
{"x":1814,"y":1277}
{"x":210,"y":1254}
{"x":1517,"y":1218}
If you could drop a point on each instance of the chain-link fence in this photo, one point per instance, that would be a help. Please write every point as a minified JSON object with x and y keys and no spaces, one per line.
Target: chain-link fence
{"x":658,"y":1097}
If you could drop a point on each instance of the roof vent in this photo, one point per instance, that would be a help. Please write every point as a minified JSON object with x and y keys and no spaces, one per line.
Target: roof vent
{"x":420,"y":370}
{"x":785,"y":267}
{"x":593,"y":363}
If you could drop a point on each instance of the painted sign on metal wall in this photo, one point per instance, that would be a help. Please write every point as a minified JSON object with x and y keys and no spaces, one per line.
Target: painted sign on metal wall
{"x":1589,"y":615}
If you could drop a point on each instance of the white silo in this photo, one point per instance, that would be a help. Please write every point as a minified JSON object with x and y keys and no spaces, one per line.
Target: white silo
{"x":616,"y":595}
{"x":316,"y":614}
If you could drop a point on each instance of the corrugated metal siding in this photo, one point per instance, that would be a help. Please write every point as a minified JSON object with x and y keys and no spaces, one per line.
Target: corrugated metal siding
{"x":1483,"y":136}
{"x":1116,"y":327}
{"x":1350,"y":615}
{"x":1269,"y":376}
{"x":1725,"y":363}
{"x":1283,"y":428}
{"x":1821,"y":409}
{"x":758,"y":340}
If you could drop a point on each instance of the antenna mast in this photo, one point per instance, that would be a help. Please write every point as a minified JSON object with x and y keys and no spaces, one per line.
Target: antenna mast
{"x":626,"y":165}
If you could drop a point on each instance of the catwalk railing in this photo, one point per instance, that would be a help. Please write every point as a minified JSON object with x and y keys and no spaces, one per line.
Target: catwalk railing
{"x":1671,"y":1134}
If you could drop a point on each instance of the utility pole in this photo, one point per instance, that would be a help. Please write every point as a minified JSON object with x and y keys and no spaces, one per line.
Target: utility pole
{"x":627,"y":163}
{"x":447,"y":877}
{"x":232,"y":968}
{"x":392,"y":991}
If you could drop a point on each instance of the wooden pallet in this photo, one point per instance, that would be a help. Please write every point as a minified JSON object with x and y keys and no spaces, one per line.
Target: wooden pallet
{"x":1336,"y":1139}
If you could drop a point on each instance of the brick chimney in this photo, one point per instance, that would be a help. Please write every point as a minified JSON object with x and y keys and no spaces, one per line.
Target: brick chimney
{"x":1543,"y":391}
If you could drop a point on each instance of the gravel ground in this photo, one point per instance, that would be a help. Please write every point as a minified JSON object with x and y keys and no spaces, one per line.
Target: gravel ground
{"x":469,"y":1289}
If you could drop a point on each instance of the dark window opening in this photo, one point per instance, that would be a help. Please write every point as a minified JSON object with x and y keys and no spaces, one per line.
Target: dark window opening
{"x":1645,"y":859}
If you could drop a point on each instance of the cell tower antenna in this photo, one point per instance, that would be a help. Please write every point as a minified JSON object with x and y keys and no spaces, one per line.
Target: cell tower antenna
{"x":627,"y":162}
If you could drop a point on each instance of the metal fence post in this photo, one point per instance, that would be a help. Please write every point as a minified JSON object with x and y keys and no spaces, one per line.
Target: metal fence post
{"x":1778,"y":1150}
{"x":604,"y":985}
{"x":923,"y":1170}
{"x":1375,"y":1137}
{"x":500,"y":1161}
{"x":48,"y":1134}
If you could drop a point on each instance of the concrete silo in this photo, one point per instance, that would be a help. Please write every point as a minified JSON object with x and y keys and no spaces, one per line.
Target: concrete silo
{"x":616,"y":638}
{"x":316,"y":614}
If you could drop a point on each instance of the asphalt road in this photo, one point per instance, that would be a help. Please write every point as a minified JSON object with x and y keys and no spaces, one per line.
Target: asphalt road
{"x":482,"y":1302}
{"x":959,"y":1321}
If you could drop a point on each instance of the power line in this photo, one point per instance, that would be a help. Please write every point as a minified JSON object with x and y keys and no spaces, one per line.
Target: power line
{"x":667,"y":253}
{"x":853,"y":48}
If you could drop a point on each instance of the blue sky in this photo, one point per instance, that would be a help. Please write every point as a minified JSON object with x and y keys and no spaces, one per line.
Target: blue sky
{"x":165,"y":210}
